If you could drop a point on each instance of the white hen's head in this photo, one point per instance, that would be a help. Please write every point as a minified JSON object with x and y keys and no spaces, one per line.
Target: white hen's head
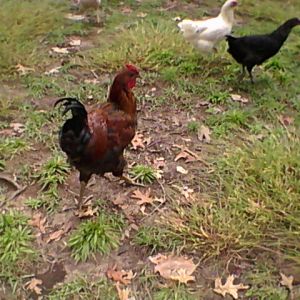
{"x":227,"y":10}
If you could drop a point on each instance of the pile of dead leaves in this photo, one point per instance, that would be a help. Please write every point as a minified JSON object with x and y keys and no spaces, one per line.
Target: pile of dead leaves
{"x":174,"y":267}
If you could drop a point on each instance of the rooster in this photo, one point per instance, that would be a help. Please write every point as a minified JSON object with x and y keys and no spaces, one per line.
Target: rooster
{"x":253,"y":50}
{"x":206,"y":34}
{"x":90,"y":4}
{"x":94,"y":142}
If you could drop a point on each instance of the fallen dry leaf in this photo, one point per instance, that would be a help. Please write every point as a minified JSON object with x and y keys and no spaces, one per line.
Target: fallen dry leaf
{"x":229,"y":287}
{"x":286,"y":120}
{"x":181,"y":170}
{"x":38,"y":222}
{"x":88,"y":212}
{"x":239,"y":98}
{"x":287,"y":281}
{"x":17,"y":127}
{"x":53,"y":71}
{"x":123,"y":293}
{"x":159,"y":163}
{"x":122,"y":276}
{"x":186,"y":156}
{"x":60,"y":50}
{"x":75,"y":42}
{"x":142,"y":15}
{"x":204,"y":134}
{"x":119,"y":200}
{"x":174,"y":267}
{"x":157,"y":259}
{"x":74,"y":17}
{"x":182,"y":276}
{"x":126,"y":10}
{"x":33,"y":285}
{"x":55,"y":236}
{"x":23,"y":70}
{"x":143,"y":198}
{"x":138,"y":141}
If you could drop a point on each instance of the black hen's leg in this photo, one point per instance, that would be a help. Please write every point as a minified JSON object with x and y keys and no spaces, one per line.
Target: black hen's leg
{"x":242,"y":74}
{"x":249,"y":68}
{"x":84,"y":178}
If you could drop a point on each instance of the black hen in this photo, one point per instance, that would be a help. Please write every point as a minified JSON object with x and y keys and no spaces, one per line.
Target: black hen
{"x":253,"y":50}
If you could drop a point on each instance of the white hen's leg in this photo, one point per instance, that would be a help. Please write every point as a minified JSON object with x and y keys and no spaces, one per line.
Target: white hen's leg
{"x":98,"y":15}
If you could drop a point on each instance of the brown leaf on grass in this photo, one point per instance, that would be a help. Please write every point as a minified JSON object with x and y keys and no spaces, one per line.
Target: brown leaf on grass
{"x":55,"y":236}
{"x":88,"y":212}
{"x":159,"y":163}
{"x":54,"y":70}
{"x":75,"y":42}
{"x":143,"y":198}
{"x":74,"y":17}
{"x":141,"y":15}
{"x":239,"y":98}
{"x":287,"y":281}
{"x":204,"y":134}
{"x":60,"y":50}
{"x":23,"y":70}
{"x":229,"y":287}
{"x":33,"y":285}
{"x":138,"y":141}
{"x":182,"y":276}
{"x":119,"y":200}
{"x":122,"y":276}
{"x":157,"y":259}
{"x":17,"y":128}
{"x":123,"y":293}
{"x":39,"y":222}
{"x":286,"y":120}
{"x":126,"y":10}
{"x":186,"y":156}
{"x":182,"y":170}
{"x":174,"y":267}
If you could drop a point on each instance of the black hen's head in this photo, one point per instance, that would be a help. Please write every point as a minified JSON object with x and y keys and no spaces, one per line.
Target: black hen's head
{"x":292,"y":22}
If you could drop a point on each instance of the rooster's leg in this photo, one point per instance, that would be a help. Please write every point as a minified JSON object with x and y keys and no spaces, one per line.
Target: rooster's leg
{"x":130,"y":181}
{"x":81,"y":193}
{"x":98,"y":15}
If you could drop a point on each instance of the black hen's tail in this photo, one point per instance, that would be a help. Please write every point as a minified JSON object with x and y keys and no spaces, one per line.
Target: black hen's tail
{"x":75,"y":133}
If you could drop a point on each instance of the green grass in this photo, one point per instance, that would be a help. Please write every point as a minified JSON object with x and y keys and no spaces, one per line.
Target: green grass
{"x":16,"y":249}
{"x":264,"y":286}
{"x":53,"y":172}
{"x":96,"y":236}
{"x":143,"y":174}
{"x":254,"y":205}
{"x":84,"y":289}
{"x":31,"y":20}
{"x":12,"y":146}
{"x":246,"y":203}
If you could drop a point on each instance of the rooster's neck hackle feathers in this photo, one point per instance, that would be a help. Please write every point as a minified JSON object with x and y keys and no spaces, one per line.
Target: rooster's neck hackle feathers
{"x":121,"y":95}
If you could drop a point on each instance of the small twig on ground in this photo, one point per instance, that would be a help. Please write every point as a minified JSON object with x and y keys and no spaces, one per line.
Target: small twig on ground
{"x":19,"y":189}
{"x":158,"y":206}
{"x":9,"y":180}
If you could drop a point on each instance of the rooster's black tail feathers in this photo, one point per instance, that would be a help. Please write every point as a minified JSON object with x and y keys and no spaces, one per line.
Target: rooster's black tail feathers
{"x":75,"y":133}
{"x":74,"y":105}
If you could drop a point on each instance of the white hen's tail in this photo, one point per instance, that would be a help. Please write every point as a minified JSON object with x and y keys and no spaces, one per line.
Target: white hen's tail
{"x":188,"y":29}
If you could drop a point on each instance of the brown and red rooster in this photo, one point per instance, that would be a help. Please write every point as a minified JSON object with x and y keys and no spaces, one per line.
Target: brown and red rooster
{"x":94,"y":142}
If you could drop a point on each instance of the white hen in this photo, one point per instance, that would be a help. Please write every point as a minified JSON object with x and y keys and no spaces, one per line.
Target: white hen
{"x":90,"y":4}
{"x":205,"y":34}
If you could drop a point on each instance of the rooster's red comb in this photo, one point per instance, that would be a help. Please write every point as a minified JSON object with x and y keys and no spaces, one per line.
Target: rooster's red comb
{"x":132,"y":68}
